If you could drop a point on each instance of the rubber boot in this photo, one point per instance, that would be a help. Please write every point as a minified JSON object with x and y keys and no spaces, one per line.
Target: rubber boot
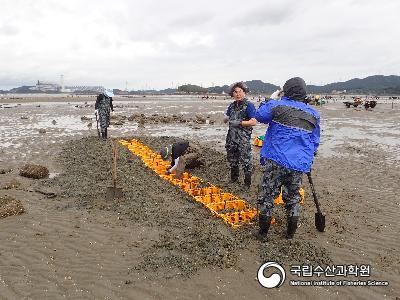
{"x":247,"y":181}
{"x":291,"y":227}
{"x":264,"y":223}
{"x":234,"y":174}
{"x":103,"y":135}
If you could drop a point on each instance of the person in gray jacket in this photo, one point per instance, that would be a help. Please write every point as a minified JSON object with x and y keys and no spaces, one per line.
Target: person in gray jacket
{"x":241,"y":117}
{"x":103,"y":107}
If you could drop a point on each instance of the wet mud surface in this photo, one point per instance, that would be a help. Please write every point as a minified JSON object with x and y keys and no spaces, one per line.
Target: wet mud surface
{"x":156,"y":242}
{"x":189,"y":237}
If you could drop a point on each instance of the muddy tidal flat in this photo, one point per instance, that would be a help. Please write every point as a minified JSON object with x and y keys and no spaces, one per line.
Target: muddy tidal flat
{"x":70,"y":242}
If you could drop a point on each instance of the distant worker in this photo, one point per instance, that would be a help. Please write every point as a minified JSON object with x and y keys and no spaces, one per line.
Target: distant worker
{"x":181,"y":156}
{"x":290,"y":143}
{"x":102,"y":110}
{"x":240,"y":115}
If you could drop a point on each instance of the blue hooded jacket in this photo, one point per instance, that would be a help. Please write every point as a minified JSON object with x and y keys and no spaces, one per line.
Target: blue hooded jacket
{"x":293,"y":134}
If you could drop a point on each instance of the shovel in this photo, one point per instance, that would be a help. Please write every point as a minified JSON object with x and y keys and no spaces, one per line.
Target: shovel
{"x":97,"y":124}
{"x":319,"y":217}
{"x":113,"y":191}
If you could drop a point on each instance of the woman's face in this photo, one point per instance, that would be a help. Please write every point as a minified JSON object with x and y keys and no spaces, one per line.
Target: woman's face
{"x":238,"y":93}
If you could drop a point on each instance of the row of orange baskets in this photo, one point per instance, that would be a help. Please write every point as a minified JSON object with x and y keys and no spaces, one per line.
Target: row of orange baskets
{"x":233,"y":210}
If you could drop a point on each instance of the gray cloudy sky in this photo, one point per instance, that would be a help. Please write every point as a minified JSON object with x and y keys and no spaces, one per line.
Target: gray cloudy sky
{"x":157,"y":44}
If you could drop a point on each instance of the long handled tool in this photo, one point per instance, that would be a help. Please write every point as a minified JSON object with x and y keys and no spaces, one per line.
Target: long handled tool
{"x":319,"y":217}
{"x":113,"y":191}
{"x":97,"y":124}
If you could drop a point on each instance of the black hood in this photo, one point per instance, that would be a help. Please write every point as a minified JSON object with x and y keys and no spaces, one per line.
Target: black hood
{"x":295,"y":88}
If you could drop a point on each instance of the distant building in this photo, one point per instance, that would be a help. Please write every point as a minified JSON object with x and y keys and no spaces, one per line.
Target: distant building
{"x":50,"y":87}
{"x":45,"y":86}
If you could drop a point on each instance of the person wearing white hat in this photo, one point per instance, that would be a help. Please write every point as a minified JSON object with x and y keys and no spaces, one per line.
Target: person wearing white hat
{"x":103,"y":107}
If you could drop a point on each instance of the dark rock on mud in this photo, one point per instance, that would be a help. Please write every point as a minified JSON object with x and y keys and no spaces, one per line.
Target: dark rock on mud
{"x":10,"y":206}
{"x":162,"y":119}
{"x":12,"y":184}
{"x":84,"y":118}
{"x":5,"y":171}
{"x":34,"y":171}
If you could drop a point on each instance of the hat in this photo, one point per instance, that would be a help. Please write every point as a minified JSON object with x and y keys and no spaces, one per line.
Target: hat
{"x":165,"y":152}
{"x":108,"y":93}
{"x":295,"y":88}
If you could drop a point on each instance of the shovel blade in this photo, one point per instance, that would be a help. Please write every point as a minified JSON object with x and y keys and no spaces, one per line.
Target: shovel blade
{"x":113,"y":192}
{"x":320,"y":222}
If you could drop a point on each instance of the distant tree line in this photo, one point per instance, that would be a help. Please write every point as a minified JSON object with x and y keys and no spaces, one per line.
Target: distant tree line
{"x":192,"y":89}
{"x":377,"y":84}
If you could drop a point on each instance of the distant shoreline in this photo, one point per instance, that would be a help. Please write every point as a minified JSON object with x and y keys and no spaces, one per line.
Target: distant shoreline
{"x":44,"y":98}
{"x":29,"y":98}
{"x":35,"y":98}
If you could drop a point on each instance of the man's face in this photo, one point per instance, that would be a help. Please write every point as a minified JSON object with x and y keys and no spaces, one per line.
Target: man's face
{"x":238,"y":93}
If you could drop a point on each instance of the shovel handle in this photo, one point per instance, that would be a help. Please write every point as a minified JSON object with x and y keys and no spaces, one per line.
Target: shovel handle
{"x":313,"y":192}
{"x":114,"y":173}
{"x":97,"y":125}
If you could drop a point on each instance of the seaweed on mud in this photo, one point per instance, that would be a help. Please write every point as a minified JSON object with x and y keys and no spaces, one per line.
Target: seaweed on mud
{"x":10,"y":206}
{"x":189,"y":236}
{"x":34,"y":171}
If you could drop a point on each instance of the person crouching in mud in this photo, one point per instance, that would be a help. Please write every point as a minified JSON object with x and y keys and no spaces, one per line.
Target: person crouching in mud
{"x":102,"y":110}
{"x":241,"y":117}
{"x":288,"y":151}
{"x":182,"y":156}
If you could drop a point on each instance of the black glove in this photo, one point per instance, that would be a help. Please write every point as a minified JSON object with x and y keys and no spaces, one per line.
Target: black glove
{"x":235,"y":123}
{"x":168,"y":170}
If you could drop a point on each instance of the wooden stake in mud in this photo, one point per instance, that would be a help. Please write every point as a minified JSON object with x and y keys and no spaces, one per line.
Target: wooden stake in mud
{"x":114,"y":192}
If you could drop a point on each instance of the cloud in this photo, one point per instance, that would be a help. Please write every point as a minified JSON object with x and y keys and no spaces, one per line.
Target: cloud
{"x":156,"y":42}
{"x":191,"y":39}
{"x":269,"y":14}
{"x":9,"y":30}
{"x":193,"y":19}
